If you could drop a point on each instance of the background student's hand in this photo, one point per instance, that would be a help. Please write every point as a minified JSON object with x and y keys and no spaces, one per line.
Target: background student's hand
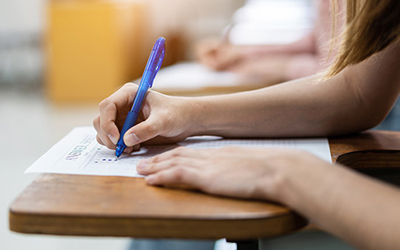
{"x":217,"y":55}
{"x":272,"y":68}
{"x":230,"y":171}
{"x":163,"y":119}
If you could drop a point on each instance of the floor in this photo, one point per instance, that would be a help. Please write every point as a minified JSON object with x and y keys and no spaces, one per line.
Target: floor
{"x":29,"y":126}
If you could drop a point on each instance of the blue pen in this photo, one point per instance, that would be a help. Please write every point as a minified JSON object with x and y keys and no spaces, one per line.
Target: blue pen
{"x":153,"y":65}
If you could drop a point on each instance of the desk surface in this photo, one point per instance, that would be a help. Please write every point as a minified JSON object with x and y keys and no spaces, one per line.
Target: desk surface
{"x":123,"y":206}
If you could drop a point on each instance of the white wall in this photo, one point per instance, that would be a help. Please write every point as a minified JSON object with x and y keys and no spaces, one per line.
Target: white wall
{"x":22,"y":25}
{"x":22,"y":16}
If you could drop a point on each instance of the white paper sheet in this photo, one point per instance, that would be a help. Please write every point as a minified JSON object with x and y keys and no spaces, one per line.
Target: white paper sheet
{"x":180,"y":77}
{"x":79,"y":153}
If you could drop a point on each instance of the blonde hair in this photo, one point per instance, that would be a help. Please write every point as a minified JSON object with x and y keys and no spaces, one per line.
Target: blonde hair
{"x":371,"y":26}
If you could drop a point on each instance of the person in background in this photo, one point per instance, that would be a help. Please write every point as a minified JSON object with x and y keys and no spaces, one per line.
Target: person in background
{"x":274,"y":63}
{"x":355,"y":94}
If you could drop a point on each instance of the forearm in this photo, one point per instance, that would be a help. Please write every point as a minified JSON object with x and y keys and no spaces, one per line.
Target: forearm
{"x":355,"y":208}
{"x":299,"y":108}
{"x":304,"y":45}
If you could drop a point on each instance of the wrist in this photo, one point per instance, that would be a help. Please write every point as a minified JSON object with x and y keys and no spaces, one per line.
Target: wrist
{"x":293,"y":177}
{"x":194,"y":112}
{"x":276,"y":184}
{"x":204,"y":116}
{"x":304,"y":182}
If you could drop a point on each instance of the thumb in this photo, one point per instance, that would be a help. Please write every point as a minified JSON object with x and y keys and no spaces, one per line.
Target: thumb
{"x":141,"y":132}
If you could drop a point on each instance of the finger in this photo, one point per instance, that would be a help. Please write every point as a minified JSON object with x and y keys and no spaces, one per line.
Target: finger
{"x":188,"y":177}
{"x":98,"y":139}
{"x":179,"y":152}
{"x":96,"y":125}
{"x":102,"y":137}
{"x":107,"y":128}
{"x":129,"y":150}
{"x":136,"y":147}
{"x":228,"y":57}
{"x":149,"y":167}
{"x":126,"y":150}
{"x":143,"y":131}
{"x":206,"y":47}
{"x":124,"y":96}
{"x":210,"y":60}
{"x":116,"y":104}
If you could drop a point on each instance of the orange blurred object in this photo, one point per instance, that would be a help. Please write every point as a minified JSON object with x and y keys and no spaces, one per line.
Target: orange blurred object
{"x":93,"y":47}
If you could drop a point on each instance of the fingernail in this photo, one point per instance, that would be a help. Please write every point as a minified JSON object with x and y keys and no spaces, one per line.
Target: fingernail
{"x":131,"y":139}
{"x":113,"y":138}
{"x":142,"y":164}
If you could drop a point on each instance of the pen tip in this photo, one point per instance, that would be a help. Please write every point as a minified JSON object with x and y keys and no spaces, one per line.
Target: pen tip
{"x":116,"y":158}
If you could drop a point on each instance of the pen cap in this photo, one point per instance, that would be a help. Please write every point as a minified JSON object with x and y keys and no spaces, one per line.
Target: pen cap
{"x":156,"y":59}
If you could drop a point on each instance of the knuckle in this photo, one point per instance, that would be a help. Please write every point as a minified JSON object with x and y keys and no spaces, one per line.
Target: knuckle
{"x":176,"y":162}
{"x":105,"y":103}
{"x":129,"y":86}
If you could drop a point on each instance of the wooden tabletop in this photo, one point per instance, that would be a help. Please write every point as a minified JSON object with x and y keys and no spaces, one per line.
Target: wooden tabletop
{"x":123,"y":206}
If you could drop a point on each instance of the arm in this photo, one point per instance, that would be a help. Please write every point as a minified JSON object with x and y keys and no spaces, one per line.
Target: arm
{"x":356,"y":99}
{"x":355,"y":208}
{"x":221,"y":55}
{"x":277,"y":63}
{"x":307,"y":44}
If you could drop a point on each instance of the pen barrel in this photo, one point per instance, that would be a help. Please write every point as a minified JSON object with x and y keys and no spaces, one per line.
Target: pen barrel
{"x":140,"y":95}
{"x":129,"y":123}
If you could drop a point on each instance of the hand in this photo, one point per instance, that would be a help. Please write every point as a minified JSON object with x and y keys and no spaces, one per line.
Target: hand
{"x":163,"y":119}
{"x":271,"y":68}
{"x":217,"y":54}
{"x":229,"y":171}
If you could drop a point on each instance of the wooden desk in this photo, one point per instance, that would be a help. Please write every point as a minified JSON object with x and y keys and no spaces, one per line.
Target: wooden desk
{"x":121,"y":206}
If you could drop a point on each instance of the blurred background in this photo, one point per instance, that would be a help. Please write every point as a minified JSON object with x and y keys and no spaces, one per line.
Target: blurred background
{"x":59,"y":58}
